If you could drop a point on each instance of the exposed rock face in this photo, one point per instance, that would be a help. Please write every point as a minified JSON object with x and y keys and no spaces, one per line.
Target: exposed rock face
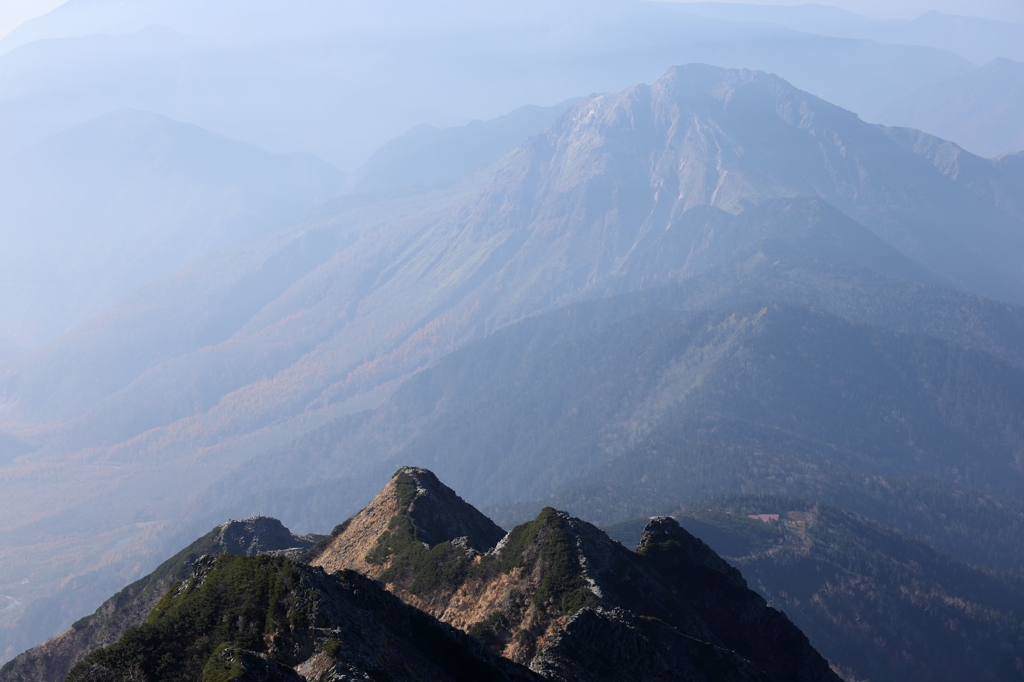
{"x":558,"y":595}
{"x":279,"y":621}
{"x":51,"y":660}
{"x":258,"y":535}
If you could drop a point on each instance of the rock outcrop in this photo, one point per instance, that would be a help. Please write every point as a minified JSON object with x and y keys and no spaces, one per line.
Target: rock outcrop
{"x":51,"y":660}
{"x":556,"y":594}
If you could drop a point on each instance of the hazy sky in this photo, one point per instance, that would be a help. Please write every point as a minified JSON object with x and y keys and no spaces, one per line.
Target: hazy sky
{"x":14,"y":12}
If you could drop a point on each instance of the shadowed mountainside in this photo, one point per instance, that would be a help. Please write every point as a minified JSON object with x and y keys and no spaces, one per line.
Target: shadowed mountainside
{"x":878,"y":604}
{"x":630,"y":405}
{"x":268,"y":618}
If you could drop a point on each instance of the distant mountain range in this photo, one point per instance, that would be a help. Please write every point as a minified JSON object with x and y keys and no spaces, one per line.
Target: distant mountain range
{"x":359,"y":74}
{"x":792,"y":301}
{"x":978,"y":110}
{"x":979,"y":40}
{"x":100,"y":209}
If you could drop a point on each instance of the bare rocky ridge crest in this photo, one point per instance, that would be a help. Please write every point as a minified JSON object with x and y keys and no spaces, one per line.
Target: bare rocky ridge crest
{"x":558,"y":595}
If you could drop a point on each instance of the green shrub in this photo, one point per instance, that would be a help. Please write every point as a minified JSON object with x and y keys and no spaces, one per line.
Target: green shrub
{"x":405,"y":488}
{"x":413,"y":565}
{"x":332,"y":647}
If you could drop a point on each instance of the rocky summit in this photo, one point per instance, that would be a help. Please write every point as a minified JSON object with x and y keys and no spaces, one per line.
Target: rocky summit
{"x":421,"y":585}
{"x":413,"y":498}
{"x":559,"y":596}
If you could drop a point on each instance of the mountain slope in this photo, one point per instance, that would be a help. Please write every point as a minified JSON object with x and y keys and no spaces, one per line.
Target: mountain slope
{"x":427,"y":157}
{"x":52,"y":660}
{"x":534,"y":407}
{"x":510,"y":249}
{"x":630,"y":405}
{"x":1000,"y":180}
{"x":878,"y":604}
{"x":267,"y":618}
{"x":94,"y":212}
{"x":559,"y":595}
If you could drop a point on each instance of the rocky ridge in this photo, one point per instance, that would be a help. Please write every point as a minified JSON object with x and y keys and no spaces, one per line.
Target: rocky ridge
{"x":558,"y":595}
{"x":441,"y":593}
{"x":52,"y":660}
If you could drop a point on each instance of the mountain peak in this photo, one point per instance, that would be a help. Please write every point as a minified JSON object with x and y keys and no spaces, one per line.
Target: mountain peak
{"x":557,"y":594}
{"x":414,"y":498}
{"x":439,"y":514}
{"x":664,"y":536}
{"x":254,"y":535}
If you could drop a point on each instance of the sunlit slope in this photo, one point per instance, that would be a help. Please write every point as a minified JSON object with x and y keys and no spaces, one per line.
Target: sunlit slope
{"x":96,"y":211}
